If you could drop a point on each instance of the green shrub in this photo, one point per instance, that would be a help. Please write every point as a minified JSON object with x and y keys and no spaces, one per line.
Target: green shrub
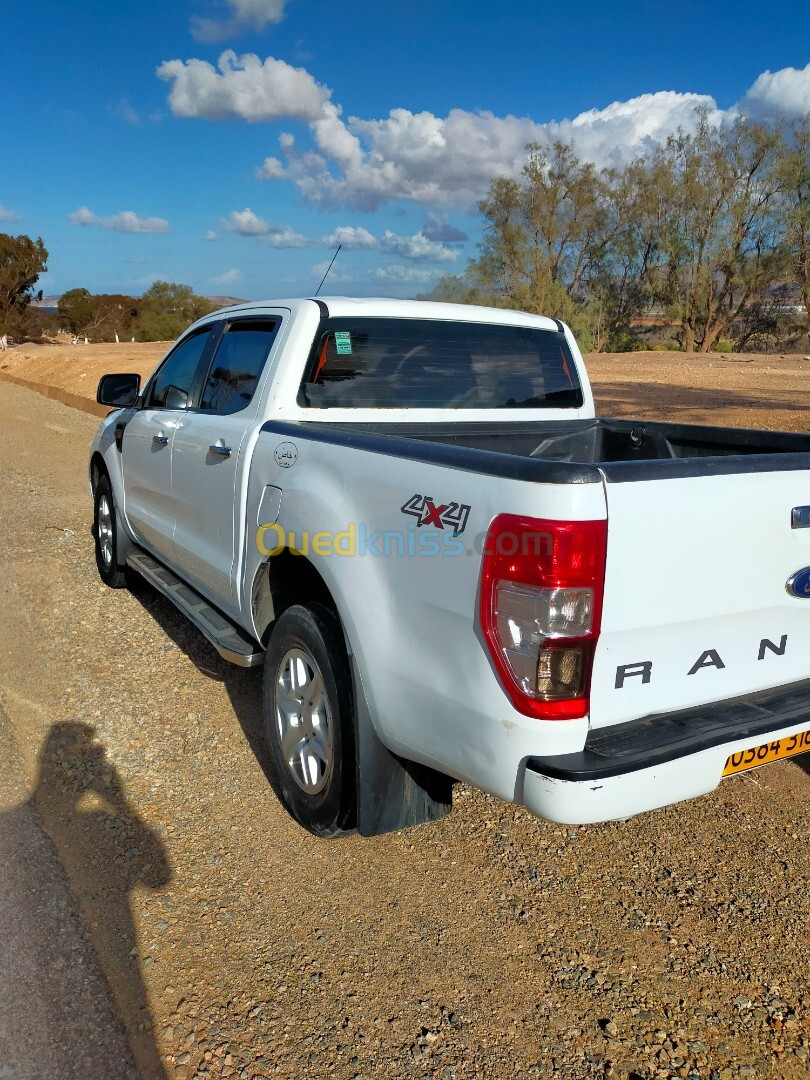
{"x":624,"y":341}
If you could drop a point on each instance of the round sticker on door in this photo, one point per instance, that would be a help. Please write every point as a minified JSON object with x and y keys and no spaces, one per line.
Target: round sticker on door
{"x":286,"y":454}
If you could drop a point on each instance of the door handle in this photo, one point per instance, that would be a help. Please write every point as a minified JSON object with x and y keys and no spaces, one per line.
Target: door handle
{"x":160,"y":440}
{"x":220,"y":450}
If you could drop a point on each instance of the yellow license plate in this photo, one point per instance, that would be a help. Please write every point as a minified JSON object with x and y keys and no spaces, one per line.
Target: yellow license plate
{"x":772,"y":751}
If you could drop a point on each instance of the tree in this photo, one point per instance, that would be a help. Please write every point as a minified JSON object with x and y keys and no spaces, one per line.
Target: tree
{"x":113,"y":316}
{"x":165,"y":310}
{"x":711,"y":199}
{"x":22,"y":260}
{"x":545,"y":234}
{"x":36,"y":323}
{"x":795,"y":172}
{"x":75,"y":311}
{"x":560,"y":242}
{"x":455,"y":289}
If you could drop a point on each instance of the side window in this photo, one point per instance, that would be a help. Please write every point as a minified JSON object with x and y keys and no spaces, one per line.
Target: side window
{"x":171,"y":388}
{"x":237,"y":365}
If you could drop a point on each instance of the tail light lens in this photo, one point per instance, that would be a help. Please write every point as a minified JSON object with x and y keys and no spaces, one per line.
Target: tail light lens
{"x":541,"y":607}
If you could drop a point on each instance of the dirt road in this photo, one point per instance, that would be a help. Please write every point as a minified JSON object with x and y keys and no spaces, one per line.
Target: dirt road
{"x":173,"y":889}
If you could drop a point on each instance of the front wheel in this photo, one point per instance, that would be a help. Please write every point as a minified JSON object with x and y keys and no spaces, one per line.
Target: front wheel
{"x":308,"y":718}
{"x":105,"y":530}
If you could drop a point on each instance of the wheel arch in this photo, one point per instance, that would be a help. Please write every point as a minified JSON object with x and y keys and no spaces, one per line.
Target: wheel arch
{"x":283,"y":580}
{"x":392,"y":793}
{"x":98,"y":467}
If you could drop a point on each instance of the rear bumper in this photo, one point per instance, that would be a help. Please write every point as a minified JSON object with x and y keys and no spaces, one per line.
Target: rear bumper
{"x":658,"y":760}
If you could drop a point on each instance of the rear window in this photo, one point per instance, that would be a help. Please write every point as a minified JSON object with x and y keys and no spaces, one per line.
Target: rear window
{"x":428,"y":364}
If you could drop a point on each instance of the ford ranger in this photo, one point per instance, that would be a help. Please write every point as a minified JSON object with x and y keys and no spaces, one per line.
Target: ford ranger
{"x":450,"y":569}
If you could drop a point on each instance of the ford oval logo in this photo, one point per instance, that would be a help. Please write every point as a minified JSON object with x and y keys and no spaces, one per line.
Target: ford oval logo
{"x":799,"y":584}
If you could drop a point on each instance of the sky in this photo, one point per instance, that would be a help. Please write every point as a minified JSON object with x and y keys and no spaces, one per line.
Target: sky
{"x":231,"y":145}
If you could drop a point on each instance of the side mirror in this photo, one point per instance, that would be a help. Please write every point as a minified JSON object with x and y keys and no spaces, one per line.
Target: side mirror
{"x":118,"y":391}
{"x":175,"y":398}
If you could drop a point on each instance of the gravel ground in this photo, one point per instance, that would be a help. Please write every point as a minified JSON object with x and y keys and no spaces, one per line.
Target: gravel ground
{"x":231,"y":943}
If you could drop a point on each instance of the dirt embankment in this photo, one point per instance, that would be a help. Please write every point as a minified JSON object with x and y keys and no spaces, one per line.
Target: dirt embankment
{"x":739,"y":389}
{"x":70,"y":373}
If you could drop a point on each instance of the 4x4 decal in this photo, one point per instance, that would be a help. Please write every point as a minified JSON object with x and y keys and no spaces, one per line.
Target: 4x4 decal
{"x":427,"y":512}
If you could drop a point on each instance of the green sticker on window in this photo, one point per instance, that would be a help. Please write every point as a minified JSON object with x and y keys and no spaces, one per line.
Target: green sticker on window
{"x":343,"y":342}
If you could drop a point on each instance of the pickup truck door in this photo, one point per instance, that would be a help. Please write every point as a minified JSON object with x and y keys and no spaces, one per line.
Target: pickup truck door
{"x":207,"y":455}
{"x":147,"y":445}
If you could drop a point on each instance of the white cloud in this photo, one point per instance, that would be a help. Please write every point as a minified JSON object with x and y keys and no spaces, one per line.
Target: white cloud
{"x":451,"y":161}
{"x":229,"y":277}
{"x":244,"y":88}
{"x":82,"y":216}
{"x":350,"y":237}
{"x":785,"y":92}
{"x":246,"y":223}
{"x":319,"y":269}
{"x":211,"y":235}
{"x":446,"y":161}
{"x":123,"y":110}
{"x":416,"y":247}
{"x":126,"y":111}
{"x":127,"y":221}
{"x":403,"y":274}
{"x":8,"y":215}
{"x":270,"y":169}
{"x":245,"y":15}
{"x":433,"y":160}
{"x":285,"y":237}
{"x":439,"y":229}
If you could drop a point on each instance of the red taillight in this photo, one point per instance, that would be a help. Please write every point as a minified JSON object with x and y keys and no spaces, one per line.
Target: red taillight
{"x":541,"y":607}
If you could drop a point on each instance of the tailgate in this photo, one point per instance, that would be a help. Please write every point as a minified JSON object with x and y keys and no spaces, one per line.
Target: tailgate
{"x":696,"y":607}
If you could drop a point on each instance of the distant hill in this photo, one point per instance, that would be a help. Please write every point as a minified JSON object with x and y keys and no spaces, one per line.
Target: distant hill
{"x":225,"y":301}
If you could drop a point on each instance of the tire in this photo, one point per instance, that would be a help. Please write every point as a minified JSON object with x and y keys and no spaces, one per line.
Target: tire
{"x":310,"y":735}
{"x":105,"y":531}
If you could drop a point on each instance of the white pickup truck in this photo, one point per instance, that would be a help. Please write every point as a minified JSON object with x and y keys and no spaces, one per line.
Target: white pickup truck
{"x":452,"y":571}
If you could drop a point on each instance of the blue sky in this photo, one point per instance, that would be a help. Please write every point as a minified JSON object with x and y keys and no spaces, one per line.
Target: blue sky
{"x":138,"y":151}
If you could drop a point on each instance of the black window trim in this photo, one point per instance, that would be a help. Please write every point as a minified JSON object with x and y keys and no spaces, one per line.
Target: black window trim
{"x":223,"y":328}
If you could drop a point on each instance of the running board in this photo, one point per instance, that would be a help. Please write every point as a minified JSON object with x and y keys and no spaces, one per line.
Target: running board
{"x":230,"y":641}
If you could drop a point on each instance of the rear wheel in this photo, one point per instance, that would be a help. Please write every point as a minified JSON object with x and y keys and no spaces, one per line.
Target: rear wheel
{"x":308,"y":717}
{"x":105,"y":530}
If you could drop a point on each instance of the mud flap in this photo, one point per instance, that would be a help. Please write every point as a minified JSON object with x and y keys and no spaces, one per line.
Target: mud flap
{"x":392,"y":793}
{"x":123,"y":542}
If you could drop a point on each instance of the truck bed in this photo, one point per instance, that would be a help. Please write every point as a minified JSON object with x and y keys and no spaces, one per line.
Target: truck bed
{"x":575,"y":451}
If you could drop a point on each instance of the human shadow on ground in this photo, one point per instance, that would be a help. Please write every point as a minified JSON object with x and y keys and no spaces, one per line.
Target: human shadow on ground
{"x":107,"y":850}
